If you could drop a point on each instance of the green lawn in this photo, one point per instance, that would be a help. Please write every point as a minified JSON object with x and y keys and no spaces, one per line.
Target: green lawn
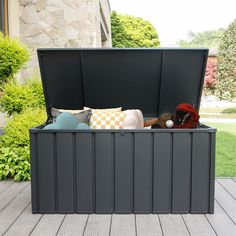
{"x":225,"y":148}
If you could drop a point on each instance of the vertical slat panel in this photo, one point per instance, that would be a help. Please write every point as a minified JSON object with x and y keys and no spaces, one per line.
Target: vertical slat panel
{"x":200,"y":172}
{"x":46,"y":172}
{"x":65,"y":172}
{"x":142,"y":173}
{"x":84,"y":172}
{"x":123,"y":173}
{"x":212,"y":172}
{"x":104,"y":172}
{"x":34,"y":172}
{"x":181,"y":172}
{"x":162,"y":173}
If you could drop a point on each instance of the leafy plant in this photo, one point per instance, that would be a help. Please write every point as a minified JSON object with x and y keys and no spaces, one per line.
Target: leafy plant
{"x":17,"y":97}
{"x":209,"y":39}
{"x":226,"y":64}
{"x":13,"y":55}
{"x":14,"y":151}
{"x":210,"y":77}
{"x":132,"y":32}
{"x":231,"y":110}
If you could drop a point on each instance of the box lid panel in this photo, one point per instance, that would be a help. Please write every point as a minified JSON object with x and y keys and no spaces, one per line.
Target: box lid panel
{"x":152,"y":80}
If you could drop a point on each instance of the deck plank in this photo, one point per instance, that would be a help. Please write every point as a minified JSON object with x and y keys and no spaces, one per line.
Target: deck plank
{"x":148,"y":225}
{"x":24,"y":224}
{"x":5,"y":184}
{"x":198,"y":225}
{"x":226,"y":201}
{"x":221,"y":223}
{"x":73,"y":225}
{"x":229,"y":185}
{"x":16,"y":217}
{"x":14,"y":209}
{"x":10,"y":193}
{"x":98,"y":225}
{"x":123,"y":225}
{"x":48,"y":225}
{"x":173,"y":225}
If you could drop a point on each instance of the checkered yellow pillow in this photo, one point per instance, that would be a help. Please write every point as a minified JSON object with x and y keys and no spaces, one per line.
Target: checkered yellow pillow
{"x":107,"y":120}
{"x":104,"y":110}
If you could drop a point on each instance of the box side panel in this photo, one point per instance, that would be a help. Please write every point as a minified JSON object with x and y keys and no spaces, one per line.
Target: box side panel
{"x":123,"y":173}
{"x":84,"y":169}
{"x":162,"y":173}
{"x":46,"y":173}
{"x":181,"y":172}
{"x":104,"y":169}
{"x":200,"y":172}
{"x":65,"y":178}
{"x":34,"y":172}
{"x":143,"y":156}
{"x":212,"y":173}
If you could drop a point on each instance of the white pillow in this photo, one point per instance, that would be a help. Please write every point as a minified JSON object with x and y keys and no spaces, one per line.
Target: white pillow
{"x":133,"y":119}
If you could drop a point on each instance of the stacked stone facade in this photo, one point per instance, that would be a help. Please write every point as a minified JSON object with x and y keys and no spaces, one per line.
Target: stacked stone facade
{"x":60,"y":24}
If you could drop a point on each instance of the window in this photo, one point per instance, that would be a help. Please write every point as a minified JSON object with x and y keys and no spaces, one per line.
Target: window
{"x":4,"y":16}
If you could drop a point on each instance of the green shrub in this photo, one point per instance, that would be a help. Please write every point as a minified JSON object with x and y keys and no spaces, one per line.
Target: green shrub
{"x":231,"y":110}
{"x":17,"y":97}
{"x":132,"y":32}
{"x":13,"y":55}
{"x":14,"y":144}
{"x":226,"y":64}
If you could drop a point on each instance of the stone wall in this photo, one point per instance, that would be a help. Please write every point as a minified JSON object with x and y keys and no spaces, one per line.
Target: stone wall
{"x":62,"y":23}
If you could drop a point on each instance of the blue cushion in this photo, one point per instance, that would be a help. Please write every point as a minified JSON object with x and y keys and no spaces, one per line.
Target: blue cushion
{"x":64,"y":121}
{"x":51,"y":126}
{"x":82,"y":126}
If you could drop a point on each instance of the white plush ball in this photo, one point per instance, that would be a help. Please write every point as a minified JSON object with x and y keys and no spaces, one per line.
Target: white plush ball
{"x":169,"y":123}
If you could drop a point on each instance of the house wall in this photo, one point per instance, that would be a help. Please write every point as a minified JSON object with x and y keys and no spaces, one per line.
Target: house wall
{"x":59,"y":23}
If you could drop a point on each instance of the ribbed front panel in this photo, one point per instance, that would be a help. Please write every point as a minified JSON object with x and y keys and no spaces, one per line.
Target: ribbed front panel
{"x":129,"y":172}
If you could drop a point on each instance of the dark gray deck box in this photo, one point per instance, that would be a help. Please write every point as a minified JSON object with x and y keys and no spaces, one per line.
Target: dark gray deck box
{"x":123,"y":171}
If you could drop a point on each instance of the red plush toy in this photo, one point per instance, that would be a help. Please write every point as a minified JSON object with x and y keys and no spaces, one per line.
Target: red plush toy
{"x":186,"y":117}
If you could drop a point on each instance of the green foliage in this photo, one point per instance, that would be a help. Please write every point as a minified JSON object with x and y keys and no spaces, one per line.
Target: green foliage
{"x":13,"y":55}
{"x":14,"y":151}
{"x":17,"y":97}
{"x":132,"y":32}
{"x":225,"y":149}
{"x":231,"y":110}
{"x":226,"y":64}
{"x":208,"y":39}
{"x":14,"y":163}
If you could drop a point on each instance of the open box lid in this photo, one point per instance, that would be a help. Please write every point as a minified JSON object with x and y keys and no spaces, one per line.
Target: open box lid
{"x":152,"y":80}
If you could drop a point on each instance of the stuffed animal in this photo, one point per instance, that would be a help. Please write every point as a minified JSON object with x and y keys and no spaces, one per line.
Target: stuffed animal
{"x":185,"y":117}
{"x":163,"y":122}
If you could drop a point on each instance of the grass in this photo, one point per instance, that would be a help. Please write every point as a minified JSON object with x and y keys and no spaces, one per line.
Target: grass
{"x":231,"y":110}
{"x":225,"y":149}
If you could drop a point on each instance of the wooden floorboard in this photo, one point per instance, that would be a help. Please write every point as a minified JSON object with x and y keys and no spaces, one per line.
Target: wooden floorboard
{"x":173,"y":225}
{"x":198,"y":225}
{"x":24,"y":224}
{"x":226,"y":201}
{"x":16,"y":217}
{"x":5,"y":184}
{"x":98,"y":225}
{"x":123,"y":225}
{"x":73,"y":225}
{"x":13,"y":210}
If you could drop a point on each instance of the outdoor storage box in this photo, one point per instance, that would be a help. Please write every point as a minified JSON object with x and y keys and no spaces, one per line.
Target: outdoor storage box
{"x":122,"y":171}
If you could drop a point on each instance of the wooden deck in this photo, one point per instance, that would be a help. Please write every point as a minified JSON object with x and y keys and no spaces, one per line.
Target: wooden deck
{"x":16,"y":217}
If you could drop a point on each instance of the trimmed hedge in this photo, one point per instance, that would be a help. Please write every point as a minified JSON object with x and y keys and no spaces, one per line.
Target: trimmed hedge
{"x":14,"y":144}
{"x":18,"y":97}
{"x":13,"y":55}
